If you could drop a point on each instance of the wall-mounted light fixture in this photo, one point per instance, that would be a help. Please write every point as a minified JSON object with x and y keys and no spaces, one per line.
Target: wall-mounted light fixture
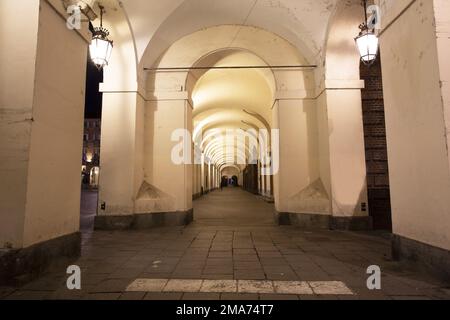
{"x":101,"y":47}
{"x":367,"y":41}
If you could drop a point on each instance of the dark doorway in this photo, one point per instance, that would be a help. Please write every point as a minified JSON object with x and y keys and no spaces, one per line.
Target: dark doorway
{"x":251,"y":178}
{"x":376,"y":147}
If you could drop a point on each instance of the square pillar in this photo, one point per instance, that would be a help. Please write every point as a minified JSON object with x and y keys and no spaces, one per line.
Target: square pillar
{"x":346,"y":154}
{"x":300,"y":197}
{"x":42,"y":98}
{"x":416,"y":78}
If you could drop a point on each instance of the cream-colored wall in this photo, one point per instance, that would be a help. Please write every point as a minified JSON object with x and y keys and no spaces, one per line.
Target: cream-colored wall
{"x":162,"y":118}
{"x":46,"y":105}
{"x":416,"y":126}
{"x":120,"y":152}
{"x":17,"y":62}
{"x":123,"y":120}
{"x":323,"y":141}
{"x":298,"y":153}
{"x":347,"y":153}
{"x":53,"y":207}
{"x":197,"y":178}
{"x":341,"y":135}
{"x":442,"y":20}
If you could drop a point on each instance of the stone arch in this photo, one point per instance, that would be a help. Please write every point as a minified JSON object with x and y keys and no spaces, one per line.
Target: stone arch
{"x":261,"y":43}
{"x":341,"y":57}
{"x":216,"y":56}
{"x":122,"y":71}
{"x":339,"y":107}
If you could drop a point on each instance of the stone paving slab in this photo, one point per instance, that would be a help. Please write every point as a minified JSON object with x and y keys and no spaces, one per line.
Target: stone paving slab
{"x":224,"y":249}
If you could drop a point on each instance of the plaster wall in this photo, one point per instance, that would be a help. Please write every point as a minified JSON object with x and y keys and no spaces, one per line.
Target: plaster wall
{"x":173,"y":182}
{"x":120,"y":151}
{"x":414,"y":92}
{"x":53,"y":207}
{"x":346,"y":152}
{"x":17,"y":62}
{"x":339,"y":107}
{"x":297,"y":122}
{"x":442,"y":20}
{"x":42,"y":199}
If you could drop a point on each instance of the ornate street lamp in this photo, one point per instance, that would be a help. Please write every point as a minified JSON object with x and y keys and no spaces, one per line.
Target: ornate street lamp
{"x":367,"y":41}
{"x":101,"y":47}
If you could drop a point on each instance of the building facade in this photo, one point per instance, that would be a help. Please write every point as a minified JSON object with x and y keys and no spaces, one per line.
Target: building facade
{"x":91,"y":153}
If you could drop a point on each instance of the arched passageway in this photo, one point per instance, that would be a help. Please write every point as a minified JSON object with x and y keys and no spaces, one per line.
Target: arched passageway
{"x":175,"y":86}
{"x":231,"y":103}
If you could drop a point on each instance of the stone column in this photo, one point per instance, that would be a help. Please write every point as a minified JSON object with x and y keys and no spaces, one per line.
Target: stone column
{"x":121,"y":156}
{"x":300,"y":198}
{"x":342,"y":127}
{"x":415,"y":47}
{"x":42,"y":85}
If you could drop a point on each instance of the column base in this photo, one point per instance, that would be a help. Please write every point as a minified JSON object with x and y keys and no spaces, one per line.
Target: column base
{"x":144,"y":221}
{"x":318,"y":221}
{"x":197,"y":196}
{"x":435,"y":260}
{"x":18,"y":266}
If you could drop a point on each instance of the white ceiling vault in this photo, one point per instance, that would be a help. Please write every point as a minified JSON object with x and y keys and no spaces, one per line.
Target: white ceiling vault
{"x":157,"y":24}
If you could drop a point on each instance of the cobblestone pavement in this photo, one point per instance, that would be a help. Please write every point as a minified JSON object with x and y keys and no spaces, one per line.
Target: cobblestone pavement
{"x":229,"y":247}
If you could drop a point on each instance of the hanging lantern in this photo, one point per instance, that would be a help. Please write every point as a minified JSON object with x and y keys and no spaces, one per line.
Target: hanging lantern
{"x":367,"y":41}
{"x":101,"y":47}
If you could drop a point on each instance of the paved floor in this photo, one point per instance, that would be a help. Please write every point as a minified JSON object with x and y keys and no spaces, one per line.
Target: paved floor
{"x":233,"y":207}
{"x":89,"y":199}
{"x":233,"y":258}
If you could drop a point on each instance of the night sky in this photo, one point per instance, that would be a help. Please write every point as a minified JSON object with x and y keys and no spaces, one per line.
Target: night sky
{"x":93,"y":97}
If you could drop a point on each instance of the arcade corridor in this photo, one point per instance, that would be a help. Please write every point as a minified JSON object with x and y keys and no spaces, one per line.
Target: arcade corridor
{"x":332,"y":115}
{"x":222,"y":249}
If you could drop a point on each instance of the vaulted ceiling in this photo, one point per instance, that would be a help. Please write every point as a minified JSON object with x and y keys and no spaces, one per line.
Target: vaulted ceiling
{"x":222,"y":99}
{"x":157,"y":24}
